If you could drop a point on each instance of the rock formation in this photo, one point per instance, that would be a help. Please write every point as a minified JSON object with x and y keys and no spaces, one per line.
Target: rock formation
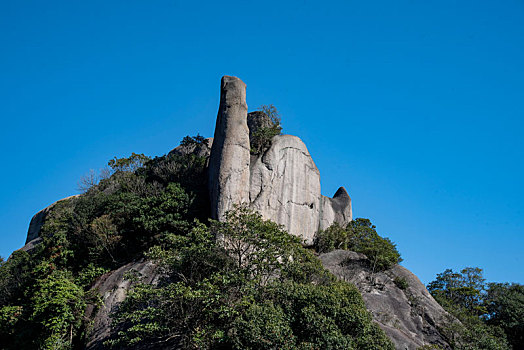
{"x":285,"y":187}
{"x":229,"y":160}
{"x":38,"y":220}
{"x":113,"y":288}
{"x":283,"y":183}
{"x":410,"y":317}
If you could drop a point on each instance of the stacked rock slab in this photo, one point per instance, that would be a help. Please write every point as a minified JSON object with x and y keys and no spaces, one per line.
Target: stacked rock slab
{"x":282,"y":184}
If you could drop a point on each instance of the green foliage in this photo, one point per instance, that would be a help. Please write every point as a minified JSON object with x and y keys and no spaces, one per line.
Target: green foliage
{"x":261,"y":138}
{"x":188,"y":170}
{"x":9,"y":317}
{"x":360,"y":236}
{"x":15,"y":277}
{"x":462,"y":295}
{"x":463,"y":289}
{"x":401,"y":282}
{"x":504,"y":303}
{"x":129,"y":164}
{"x":43,"y":294}
{"x":197,"y":140}
{"x":244,"y":284}
{"x":57,"y":305}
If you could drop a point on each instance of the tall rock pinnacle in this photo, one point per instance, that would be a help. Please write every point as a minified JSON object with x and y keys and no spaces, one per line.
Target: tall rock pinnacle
{"x":282,"y":184}
{"x":229,"y":160}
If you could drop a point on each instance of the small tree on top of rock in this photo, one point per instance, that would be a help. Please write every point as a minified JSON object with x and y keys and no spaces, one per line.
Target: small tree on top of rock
{"x":263,"y":124}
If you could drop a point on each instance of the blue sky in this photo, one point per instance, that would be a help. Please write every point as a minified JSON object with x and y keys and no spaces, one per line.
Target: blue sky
{"x":416,"y":107}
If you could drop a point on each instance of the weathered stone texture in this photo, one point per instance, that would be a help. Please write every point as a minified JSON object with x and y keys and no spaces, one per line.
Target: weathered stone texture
{"x":336,"y":209}
{"x":229,"y":160}
{"x":113,"y":288}
{"x":285,"y":187}
{"x":282,"y":183}
{"x":410,"y":317}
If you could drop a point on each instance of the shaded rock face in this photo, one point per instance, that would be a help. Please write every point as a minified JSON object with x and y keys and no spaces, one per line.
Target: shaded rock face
{"x":38,"y":221}
{"x":229,"y":159}
{"x":283,"y":183}
{"x":410,"y":317}
{"x":113,"y":288}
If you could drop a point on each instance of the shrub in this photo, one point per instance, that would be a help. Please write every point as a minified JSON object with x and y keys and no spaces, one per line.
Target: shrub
{"x":359,"y":236}
{"x":401,"y":282}
{"x":260,"y":139}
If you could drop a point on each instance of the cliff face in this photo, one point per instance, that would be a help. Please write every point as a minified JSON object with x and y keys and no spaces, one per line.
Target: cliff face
{"x":282,"y":183}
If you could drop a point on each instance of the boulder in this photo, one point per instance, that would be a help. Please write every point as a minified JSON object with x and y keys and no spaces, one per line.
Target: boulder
{"x":410,"y":317}
{"x":285,"y":187}
{"x":336,"y":209}
{"x":229,"y":160}
{"x":31,"y":245}
{"x":38,"y":220}
{"x":113,"y":288}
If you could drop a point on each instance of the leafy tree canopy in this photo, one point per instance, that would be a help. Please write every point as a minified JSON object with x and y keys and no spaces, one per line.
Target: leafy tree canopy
{"x":261,"y":138}
{"x":245,"y":284}
{"x":491,"y":315}
{"x":360,"y":236}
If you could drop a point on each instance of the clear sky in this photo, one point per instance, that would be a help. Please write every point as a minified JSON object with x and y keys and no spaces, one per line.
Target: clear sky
{"x":416,"y":107}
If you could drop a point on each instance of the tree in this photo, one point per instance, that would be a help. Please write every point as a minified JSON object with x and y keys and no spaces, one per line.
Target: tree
{"x":504,"y":303}
{"x":462,"y":295}
{"x":58,"y":306}
{"x":464,"y":289}
{"x":265,"y":130}
{"x":258,"y":247}
{"x":245,"y":284}
{"x":130,"y":164}
{"x":360,"y":236}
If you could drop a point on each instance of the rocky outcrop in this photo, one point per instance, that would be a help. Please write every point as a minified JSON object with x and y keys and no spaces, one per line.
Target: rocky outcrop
{"x":200,"y":150}
{"x":282,"y":183}
{"x":31,"y":245}
{"x":113,"y":287}
{"x":285,"y":187}
{"x":410,"y":316}
{"x":229,"y":160}
{"x":337,"y":209}
{"x":38,"y":220}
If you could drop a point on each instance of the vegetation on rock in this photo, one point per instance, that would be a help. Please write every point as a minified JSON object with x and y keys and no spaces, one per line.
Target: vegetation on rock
{"x":245,"y":284}
{"x":360,"y":236}
{"x":43,"y":294}
{"x":240,"y":284}
{"x":261,"y":137}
